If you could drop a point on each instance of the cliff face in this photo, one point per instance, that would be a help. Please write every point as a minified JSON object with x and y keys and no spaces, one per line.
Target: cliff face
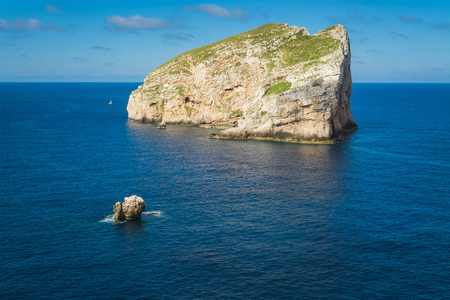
{"x":274,"y":82}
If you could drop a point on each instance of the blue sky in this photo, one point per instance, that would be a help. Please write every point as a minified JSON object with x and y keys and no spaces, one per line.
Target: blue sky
{"x":96,"y":40}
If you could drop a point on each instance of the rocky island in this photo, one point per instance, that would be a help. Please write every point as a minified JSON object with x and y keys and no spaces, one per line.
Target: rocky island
{"x":131,"y":208}
{"x":275,"y":82}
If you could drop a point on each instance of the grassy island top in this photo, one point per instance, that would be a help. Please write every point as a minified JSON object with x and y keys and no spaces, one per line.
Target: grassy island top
{"x":280,"y":46}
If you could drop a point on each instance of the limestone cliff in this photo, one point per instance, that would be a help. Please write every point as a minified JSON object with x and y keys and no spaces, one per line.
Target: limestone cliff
{"x":274,"y":82}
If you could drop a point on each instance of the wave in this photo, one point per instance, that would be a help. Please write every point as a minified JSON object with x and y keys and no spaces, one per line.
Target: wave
{"x":110,"y":218}
{"x":152,"y":213}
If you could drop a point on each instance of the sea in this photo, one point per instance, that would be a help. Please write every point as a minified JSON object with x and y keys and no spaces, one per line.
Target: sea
{"x":364,"y":218}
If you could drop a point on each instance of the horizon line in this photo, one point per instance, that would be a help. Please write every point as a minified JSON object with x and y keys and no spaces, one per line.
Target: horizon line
{"x":141,"y":82}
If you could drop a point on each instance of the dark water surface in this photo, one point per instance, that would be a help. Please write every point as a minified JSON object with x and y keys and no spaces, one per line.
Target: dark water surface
{"x":367,"y":217}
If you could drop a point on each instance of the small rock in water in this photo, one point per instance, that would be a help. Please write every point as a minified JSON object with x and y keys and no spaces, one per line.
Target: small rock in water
{"x":162,"y":125}
{"x":131,"y":208}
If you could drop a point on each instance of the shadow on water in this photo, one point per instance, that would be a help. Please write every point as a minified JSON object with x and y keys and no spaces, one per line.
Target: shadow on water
{"x":131,"y":231}
{"x":180,"y":155}
{"x":130,"y":226}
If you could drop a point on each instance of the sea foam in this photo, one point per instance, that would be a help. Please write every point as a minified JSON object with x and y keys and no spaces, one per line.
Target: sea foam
{"x":110,"y":218}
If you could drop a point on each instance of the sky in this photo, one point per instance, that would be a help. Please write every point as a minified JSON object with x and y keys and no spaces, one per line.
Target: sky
{"x":122,"y":41}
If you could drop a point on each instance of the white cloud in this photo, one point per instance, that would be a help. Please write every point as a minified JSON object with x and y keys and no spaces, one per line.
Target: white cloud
{"x":100,"y":48}
{"x":356,"y":16}
{"x":397,"y":35}
{"x":181,"y":36}
{"x":53,"y":9}
{"x":30,"y":24}
{"x":444,"y":26}
{"x":136,"y":22}
{"x":218,"y":12}
{"x":409,"y":19}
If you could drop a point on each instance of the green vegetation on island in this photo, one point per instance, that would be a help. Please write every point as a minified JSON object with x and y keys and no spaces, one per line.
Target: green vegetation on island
{"x":280,"y":49}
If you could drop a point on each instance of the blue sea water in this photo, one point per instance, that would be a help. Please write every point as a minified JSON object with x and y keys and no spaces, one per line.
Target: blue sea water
{"x":367,"y":217}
